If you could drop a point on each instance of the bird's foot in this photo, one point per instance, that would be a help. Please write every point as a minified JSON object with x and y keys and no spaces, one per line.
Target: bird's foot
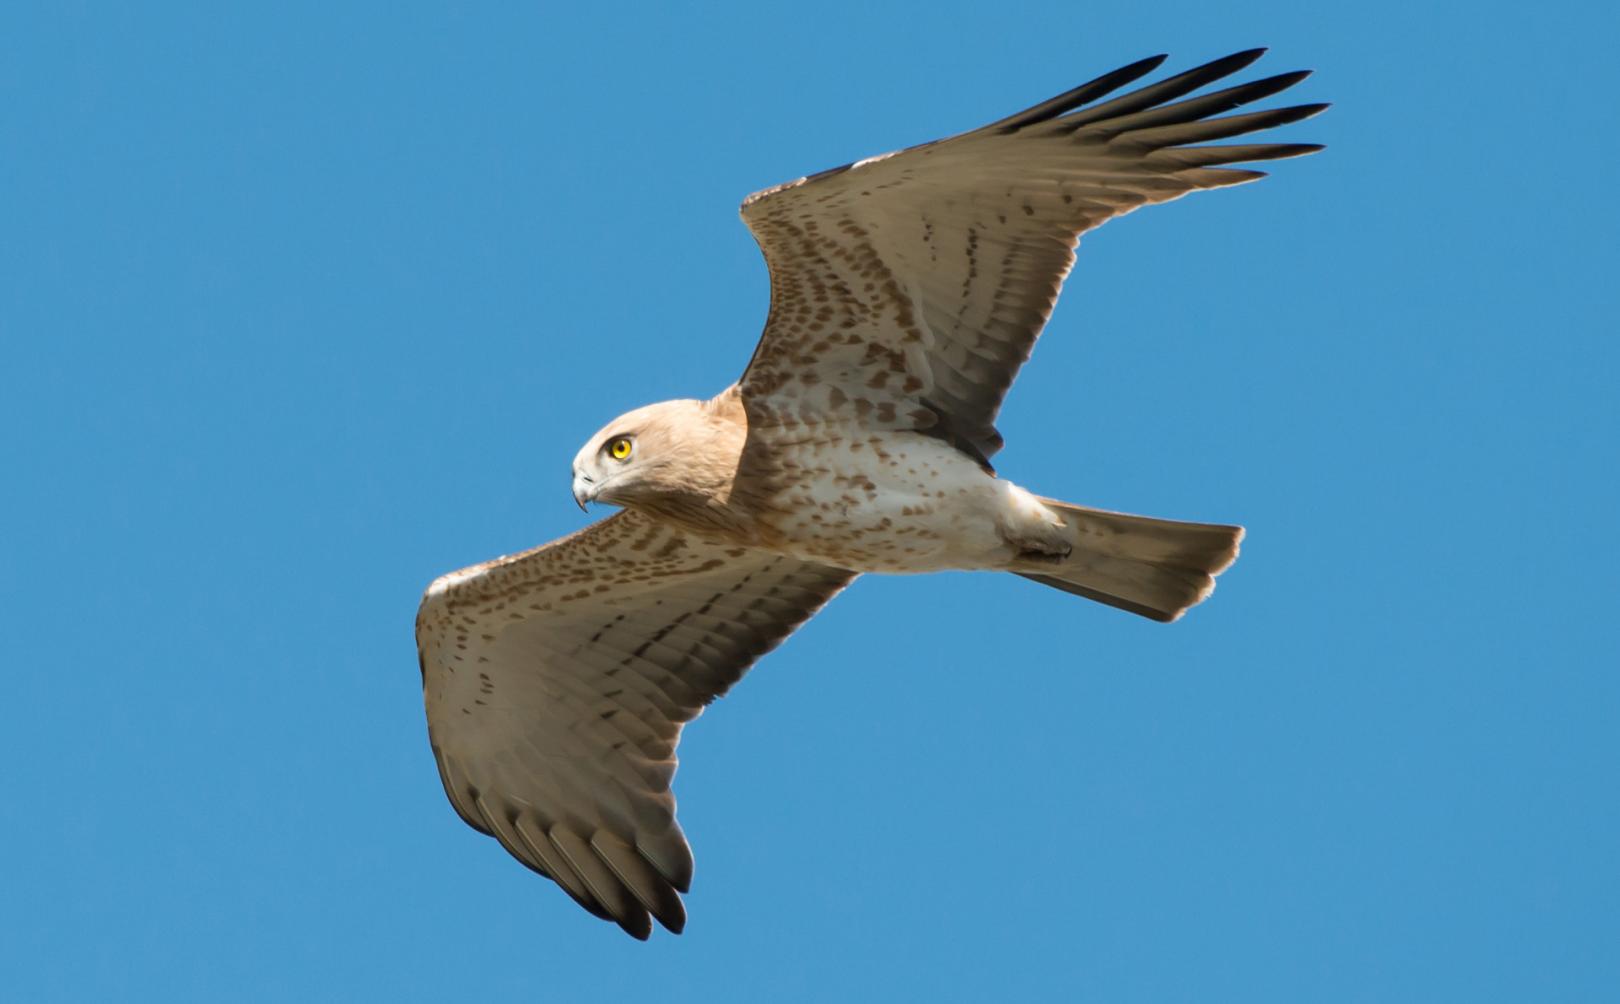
{"x":1045,"y":555}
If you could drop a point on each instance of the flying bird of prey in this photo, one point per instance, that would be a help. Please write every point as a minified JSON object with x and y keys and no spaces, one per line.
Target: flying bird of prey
{"x":906,"y":292}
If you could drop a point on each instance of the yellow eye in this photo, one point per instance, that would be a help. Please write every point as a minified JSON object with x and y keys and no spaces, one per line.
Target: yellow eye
{"x":619,"y":449}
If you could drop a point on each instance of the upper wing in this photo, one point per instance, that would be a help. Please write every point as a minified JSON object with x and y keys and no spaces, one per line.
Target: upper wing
{"x":912,"y":286}
{"x":557,"y":682}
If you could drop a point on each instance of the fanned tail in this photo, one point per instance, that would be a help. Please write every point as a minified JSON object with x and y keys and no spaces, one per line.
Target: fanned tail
{"x":1157,"y":568}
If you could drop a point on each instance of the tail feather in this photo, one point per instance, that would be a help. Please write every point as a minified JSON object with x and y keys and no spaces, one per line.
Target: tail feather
{"x":1157,"y":568}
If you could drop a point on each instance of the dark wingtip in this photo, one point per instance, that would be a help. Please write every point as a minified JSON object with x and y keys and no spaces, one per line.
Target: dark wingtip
{"x":638,"y":927}
{"x":1078,"y":96}
{"x":1228,"y":65}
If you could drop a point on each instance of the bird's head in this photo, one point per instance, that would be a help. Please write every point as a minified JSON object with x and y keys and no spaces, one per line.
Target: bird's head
{"x":652,"y":455}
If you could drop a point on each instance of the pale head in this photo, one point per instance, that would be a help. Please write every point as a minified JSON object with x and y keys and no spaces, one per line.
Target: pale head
{"x":675,"y":452}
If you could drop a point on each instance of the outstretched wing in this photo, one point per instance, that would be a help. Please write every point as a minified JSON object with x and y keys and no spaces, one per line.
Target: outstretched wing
{"x":557,"y":682}
{"x":911,"y":287}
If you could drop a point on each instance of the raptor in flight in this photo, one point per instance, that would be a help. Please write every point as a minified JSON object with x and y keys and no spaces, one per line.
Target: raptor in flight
{"x":906,"y":292}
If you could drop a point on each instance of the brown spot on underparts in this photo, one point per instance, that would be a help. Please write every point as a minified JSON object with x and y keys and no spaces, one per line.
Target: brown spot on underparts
{"x":646,"y":539}
{"x":874,"y":352}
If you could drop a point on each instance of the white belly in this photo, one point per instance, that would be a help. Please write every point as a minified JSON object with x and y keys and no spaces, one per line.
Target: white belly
{"x":892,"y":502}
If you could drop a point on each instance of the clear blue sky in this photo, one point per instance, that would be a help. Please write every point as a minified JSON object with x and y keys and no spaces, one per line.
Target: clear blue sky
{"x":302,"y":308}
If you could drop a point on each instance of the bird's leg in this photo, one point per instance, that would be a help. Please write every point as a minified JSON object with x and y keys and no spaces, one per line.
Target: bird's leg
{"x":1038,"y":533}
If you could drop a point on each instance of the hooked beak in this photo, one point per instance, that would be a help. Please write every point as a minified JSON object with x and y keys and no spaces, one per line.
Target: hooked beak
{"x":584,"y":490}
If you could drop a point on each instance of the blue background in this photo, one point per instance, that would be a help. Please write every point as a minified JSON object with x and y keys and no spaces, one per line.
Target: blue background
{"x":304,"y":307}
